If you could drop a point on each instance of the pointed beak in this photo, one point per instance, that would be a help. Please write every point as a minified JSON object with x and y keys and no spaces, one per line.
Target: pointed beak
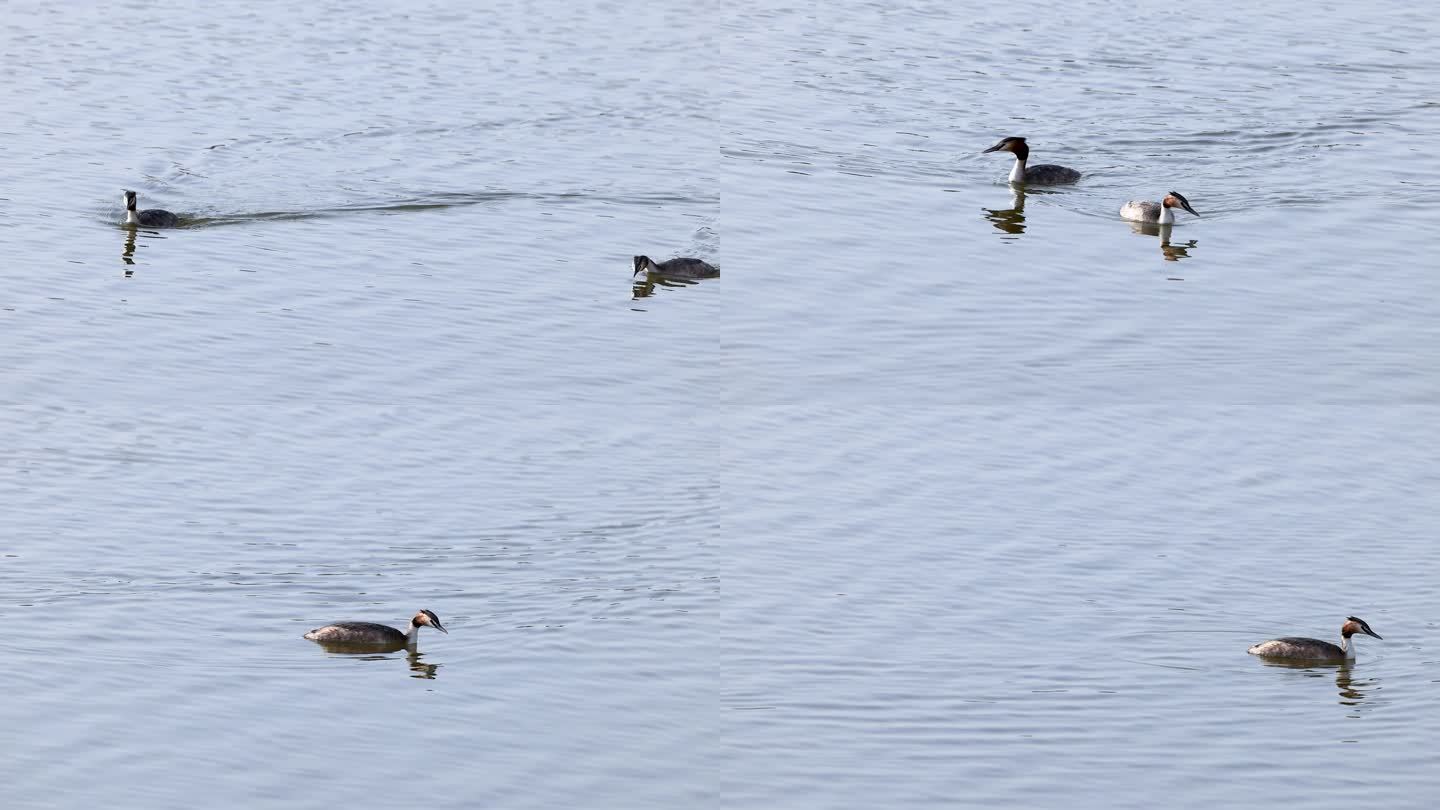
{"x":994,"y":148}
{"x":1367,"y":631}
{"x":1187,"y":207}
{"x":437,"y":626}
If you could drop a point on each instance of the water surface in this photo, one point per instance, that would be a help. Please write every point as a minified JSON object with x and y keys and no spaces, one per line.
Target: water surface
{"x":395,"y":362}
{"x":1032,"y":480}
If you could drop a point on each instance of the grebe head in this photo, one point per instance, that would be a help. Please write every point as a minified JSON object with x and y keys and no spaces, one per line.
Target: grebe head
{"x":1011,"y":144}
{"x":425,"y":617}
{"x":1353,"y":625}
{"x":1175,"y":198}
{"x":642,"y":265}
{"x":129,"y":201}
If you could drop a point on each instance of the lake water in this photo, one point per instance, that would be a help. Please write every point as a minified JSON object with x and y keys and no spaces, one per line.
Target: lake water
{"x":1008,"y":485}
{"x":1031,"y":482}
{"x":399,"y":363}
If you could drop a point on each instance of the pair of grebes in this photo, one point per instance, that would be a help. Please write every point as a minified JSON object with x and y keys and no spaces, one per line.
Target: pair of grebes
{"x":1292,"y":647}
{"x":682,"y":267}
{"x":1048,"y":174}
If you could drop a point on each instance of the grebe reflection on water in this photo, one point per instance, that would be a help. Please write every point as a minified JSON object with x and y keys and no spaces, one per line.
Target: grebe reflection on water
{"x":1313,"y":649}
{"x":1172,"y":251}
{"x":1010,"y":221}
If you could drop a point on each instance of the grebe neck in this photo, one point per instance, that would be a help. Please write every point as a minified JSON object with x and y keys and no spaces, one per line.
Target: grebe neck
{"x":1017,"y":172}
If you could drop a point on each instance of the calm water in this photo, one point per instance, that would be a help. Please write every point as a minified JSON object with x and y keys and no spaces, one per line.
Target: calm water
{"x":1009,"y":486}
{"x":398,"y":364}
{"x":1032,"y":481}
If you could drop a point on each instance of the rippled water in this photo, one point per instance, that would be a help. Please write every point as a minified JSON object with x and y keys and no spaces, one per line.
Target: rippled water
{"x":395,"y":361}
{"x":1010,"y":485}
{"x":1032,"y":480}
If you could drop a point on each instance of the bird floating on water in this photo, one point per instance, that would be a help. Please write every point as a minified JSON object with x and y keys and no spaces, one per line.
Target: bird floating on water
{"x":1043,"y":174}
{"x":682,"y":267}
{"x":153,"y":217}
{"x":1160,"y":213}
{"x":1315,"y":649}
{"x":372,"y":633}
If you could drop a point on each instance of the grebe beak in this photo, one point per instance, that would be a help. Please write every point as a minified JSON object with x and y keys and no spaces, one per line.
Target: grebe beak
{"x":1367,"y":631}
{"x":996,"y":148}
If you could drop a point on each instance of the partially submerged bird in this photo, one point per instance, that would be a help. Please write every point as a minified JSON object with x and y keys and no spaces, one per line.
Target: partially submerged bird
{"x":676,"y":268}
{"x":1315,"y":649}
{"x":1159,"y":213}
{"x":153,"y":217}
{"x":371,"y":633}
{"x":1043,"y":174}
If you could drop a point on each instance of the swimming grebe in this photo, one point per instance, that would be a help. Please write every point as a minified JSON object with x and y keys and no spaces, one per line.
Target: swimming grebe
{"x":1159,"y":213}
{"x":1044,"y":174}
{"x":371,"y":633}
{"x":153,"y":217}
{"x":676,"y":268}
{"x":1314,"y":648}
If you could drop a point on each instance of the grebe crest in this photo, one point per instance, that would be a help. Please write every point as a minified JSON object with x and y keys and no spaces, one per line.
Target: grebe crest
{"x":152,"y":217}
{"x":371,"y":633}
{"x":1043,"y":174}
{"x":1313,"y":648}
{"x":682,"y":267}
{"x":1161,"y":213}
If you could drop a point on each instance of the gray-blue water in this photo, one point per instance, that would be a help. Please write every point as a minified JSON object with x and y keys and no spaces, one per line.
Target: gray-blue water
{"x":398,"y":363}
{"x":1009,"y":485}
{"x":1017,"y":485}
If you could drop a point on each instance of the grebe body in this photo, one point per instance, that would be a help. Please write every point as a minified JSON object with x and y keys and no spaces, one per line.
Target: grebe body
{"x":151,"y":217}
{"x":1315,"y":649}
{"x":1044,"y":174}
{"x":682,"y":267}
{"x":372,"y":633}
{"x":1161,"y":213}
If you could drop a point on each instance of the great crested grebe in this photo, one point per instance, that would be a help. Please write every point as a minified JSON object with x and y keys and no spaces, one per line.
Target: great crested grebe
{"x":371,"y":633}
{"x":1044,"y":174}
{"x":1159,"y":213}
{"x":676,"y":268}
{"x":1315,"y":649}
{"x":153,"y":217}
